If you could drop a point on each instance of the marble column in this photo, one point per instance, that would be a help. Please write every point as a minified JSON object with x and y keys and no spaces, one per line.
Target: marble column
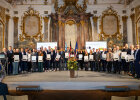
{"x":78,"y":36}
{"x":133,"y":28}
{"x":129,"y":31}
{"x":82,"y":34}
{"x":63,"y":36}
{"x":95,"y":34}
{"x":60,"y":34}
{"x":124,"y":19}
{"x":11,"y":32}
{"x":46,"y":19}
{"x":15,"y":19}
{"x":6,"y":30}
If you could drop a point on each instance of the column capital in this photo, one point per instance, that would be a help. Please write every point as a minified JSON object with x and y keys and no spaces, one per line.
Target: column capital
{"x":132,"y":17}
{"x":15,"y":19}
{"x":46,"y":19}
{"x":95,"y":18}
{"x":124,"y":18}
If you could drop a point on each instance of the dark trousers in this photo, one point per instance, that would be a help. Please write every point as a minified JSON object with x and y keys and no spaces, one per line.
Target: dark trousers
{"x":103,"y":62}
{"x":23,"y":65}
{"x":109,"y":66}
{"x":91,"y":65}
{"x":57,"y":65}
{"x":10,"y":68}
{"x":137,"y":69}
{"x":97,"y":64}
{"x":115,"y":66}
{"x":124,"y":65}
{"x":40,"y":66}
{"x":132,"y":68}
{"x":86,"y":66}
{"x":118,"y":66}
{"x":29,"y":64}
{"x":48,"y":65}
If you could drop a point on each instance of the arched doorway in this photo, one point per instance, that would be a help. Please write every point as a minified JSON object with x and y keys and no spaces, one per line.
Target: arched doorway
{"x":70,"y":33}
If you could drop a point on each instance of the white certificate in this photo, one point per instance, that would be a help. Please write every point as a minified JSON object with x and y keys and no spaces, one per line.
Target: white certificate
{"x":29,"y":57}
{"x":85,"y":58}
{"x":115,"y":56}
{"x":123,"y":55}
{"x":16,"y":58}
{"x":91,"y":57}
{"x":40,"y":58}
{"x":24,"y":57}
{"x":58,"y":57}
{"x":80,"y":56}
{"x":72,"y":55}
{"x":48,"y":56}
{"x":33,"y":58}
{"x":66,"y":55}
{"x":131,"y":57}
{"x":104,"y":56}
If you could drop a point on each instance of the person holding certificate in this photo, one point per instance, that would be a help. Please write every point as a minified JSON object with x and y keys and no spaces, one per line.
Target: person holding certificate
{"x":52,"y":59}
{"x":16,"y":62}
{"x":10,"y":60}
{"x":57,"y":60}
{"x":23,"y":61}
{"x":45,"y":62}
{"x":29,"y":64}
{"x":62,"y":54}
{"x":91,"y":60}
{"x":66,"y":57}
{"x":80,"y":59}
{"x":40,"y":61}
{"x":103,"y":59}
{"x":97,"y":58}
{"x":86,"y":60}
{"x":109,"y":59}
{"x":124,"y":63}
{"x":131,"y":61}
{"x":137,"y":61}
{"x":34,"y":60}
{"x":48,"y":57}
{"x":118,"y":62}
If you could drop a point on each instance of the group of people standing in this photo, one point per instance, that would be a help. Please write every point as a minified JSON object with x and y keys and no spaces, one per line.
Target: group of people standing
{"x":114,"y":60}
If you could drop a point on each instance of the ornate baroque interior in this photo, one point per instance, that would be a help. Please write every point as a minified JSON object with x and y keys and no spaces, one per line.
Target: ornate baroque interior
{"x":23,"y":23}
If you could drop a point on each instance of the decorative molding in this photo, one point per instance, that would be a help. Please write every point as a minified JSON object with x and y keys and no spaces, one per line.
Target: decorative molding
{"x":110,"y":12}
{"x":38,"y":36}
{"x":95,"y":18}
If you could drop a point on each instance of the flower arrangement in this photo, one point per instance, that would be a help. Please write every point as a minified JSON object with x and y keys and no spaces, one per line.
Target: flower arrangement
{"x":72,"y":64}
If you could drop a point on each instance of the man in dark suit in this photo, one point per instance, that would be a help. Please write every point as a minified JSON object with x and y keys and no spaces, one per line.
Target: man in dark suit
{"x":103,"y":60}
{"x":97,"y":58}
{"x":137,"y":61}
{"x":3,"y":90}
{"x":62,"y":53}
{"x":10,"y":60}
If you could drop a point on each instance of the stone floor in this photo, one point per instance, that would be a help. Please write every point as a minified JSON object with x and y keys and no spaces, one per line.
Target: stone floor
{"x":60,"y":80}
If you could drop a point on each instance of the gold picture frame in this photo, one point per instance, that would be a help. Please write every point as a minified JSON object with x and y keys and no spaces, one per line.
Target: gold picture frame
{"x":37,"y":22}
{"x":110,"y":13}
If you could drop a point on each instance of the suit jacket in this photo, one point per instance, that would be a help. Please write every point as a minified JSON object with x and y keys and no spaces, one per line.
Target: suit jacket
{"x":3,"y":90}
{"x":97,"y":56}
{"x":137,"y":59}
{"x":10,"y":56}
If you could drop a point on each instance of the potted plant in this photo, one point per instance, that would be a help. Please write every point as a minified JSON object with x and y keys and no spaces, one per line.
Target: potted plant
{"x":72,"y":66}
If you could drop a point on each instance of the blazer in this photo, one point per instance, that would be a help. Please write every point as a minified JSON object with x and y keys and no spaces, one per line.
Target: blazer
{"x":3,"y":90}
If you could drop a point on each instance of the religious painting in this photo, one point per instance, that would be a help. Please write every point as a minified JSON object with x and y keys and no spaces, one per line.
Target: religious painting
{"x":31,"y":25}
{"x":110,"y":24}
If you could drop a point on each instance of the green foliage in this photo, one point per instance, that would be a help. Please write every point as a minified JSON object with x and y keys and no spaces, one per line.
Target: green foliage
{"x":72,"y":65}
